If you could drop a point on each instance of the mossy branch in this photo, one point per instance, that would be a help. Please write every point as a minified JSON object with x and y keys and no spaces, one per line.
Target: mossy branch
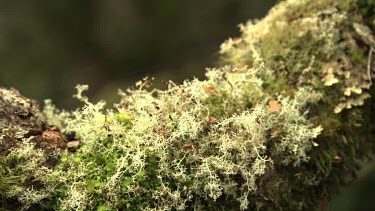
{"x":280,"y":126}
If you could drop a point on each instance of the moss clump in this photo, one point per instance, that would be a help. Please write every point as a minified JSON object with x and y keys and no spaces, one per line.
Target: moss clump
{"x":325,"y":45}
{"x":172,"y":154}
{"x":280,"y":127}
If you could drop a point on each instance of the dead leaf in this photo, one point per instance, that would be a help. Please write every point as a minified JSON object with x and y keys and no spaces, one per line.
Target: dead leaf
{"x":212,"y":119}
{"x":209,"y":89}
{"x":162,"y":133}
{"x":273,"y":106}
{"x":188,"y":146}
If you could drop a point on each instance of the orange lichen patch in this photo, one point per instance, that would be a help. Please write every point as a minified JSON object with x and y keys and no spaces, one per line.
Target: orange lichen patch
{"x":273,"y":106}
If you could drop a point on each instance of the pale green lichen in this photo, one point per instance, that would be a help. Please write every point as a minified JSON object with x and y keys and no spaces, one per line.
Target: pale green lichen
{"x":25,"y":164}
{"x":173,"y":153}
{"x":53,"y":115}
{"x":268,"y":131}
{"x":324,"y":29}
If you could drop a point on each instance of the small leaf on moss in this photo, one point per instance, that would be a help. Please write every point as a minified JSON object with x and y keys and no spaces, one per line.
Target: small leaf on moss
{"x":273,"y":106}
{"x":209,"y":89}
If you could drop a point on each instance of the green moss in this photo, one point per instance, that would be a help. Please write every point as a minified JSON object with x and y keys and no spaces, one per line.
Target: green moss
{"x":271,"y":88}
{"x":216,"y":105}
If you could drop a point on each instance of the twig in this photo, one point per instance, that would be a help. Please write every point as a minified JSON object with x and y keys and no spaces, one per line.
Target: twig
{"x":369,"y":64}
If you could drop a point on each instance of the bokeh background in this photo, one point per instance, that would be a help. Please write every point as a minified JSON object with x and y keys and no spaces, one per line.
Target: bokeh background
{"x":47,"y":47}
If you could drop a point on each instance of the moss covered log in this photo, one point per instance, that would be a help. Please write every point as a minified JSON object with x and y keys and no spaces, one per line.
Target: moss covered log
{"x":286,"y":120}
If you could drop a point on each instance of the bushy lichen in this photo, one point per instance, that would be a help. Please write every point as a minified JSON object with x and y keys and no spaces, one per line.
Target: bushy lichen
{"x":280,"y":127}
{"x":326,"y":46}
{"x":171,"y":153}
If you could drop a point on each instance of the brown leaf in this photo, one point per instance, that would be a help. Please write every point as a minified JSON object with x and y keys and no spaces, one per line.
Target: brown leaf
{"x":162,"y":133}
{"x":212,"y":119}
{"x":273,"y":106}
{"x":209,"y":89}
{"x":188,"y":146}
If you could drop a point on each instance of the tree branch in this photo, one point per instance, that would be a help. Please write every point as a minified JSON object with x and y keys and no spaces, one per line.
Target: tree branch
{"x":281,"y":125}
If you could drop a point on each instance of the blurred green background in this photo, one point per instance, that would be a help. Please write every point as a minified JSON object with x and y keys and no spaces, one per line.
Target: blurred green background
{"x":47,"y":47}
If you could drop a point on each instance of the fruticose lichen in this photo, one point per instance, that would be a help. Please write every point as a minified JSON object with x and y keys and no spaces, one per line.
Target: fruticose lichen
{"x":280,"y":126}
